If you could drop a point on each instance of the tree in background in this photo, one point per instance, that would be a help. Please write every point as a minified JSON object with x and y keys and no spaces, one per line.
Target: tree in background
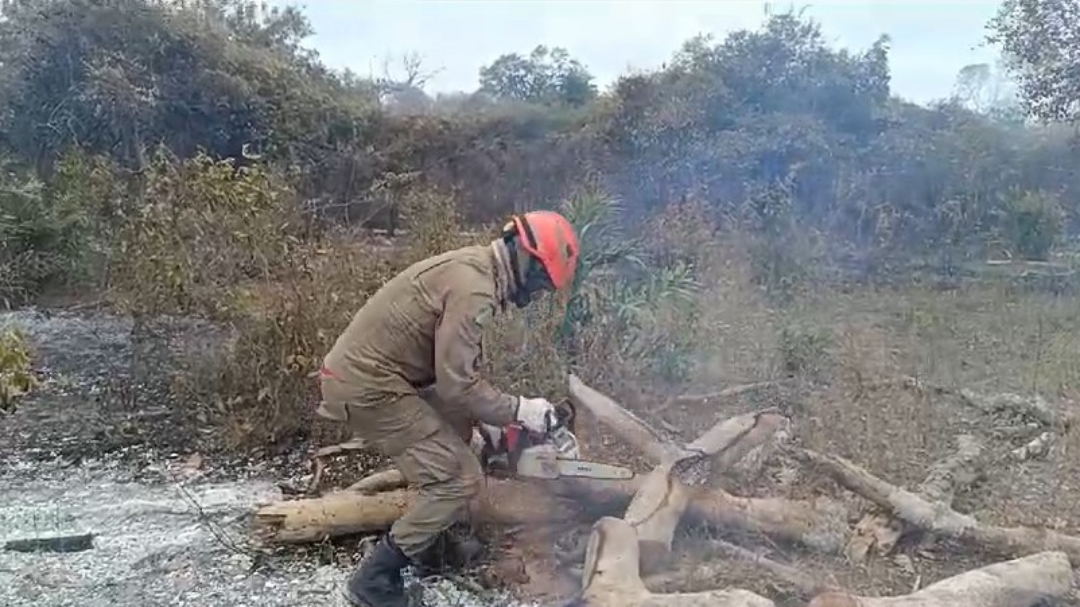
{"x":121,"y":76}
{"x":987,"y":90}
{"x":1041,"y":40}
{"x":405,"y":93}
{"x":546,"y":76}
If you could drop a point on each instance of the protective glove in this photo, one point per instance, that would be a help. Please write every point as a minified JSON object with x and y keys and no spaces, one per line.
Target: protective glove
{"x":536,"y":414}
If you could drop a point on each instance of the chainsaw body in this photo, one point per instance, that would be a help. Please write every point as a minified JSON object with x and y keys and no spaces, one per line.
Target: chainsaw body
{"x":550,"y":456}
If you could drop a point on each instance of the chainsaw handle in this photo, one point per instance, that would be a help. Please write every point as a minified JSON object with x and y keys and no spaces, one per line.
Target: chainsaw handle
{"x":563,"y":417}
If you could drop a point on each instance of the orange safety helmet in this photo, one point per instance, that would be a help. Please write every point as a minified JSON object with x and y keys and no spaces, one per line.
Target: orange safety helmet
{"x":550,"y":239}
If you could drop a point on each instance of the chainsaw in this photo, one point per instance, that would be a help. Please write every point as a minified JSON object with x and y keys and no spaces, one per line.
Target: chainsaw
{"x":521,"y":453}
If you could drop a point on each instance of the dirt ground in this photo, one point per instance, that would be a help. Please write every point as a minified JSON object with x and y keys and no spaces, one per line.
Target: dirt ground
{"x":835,"y":351}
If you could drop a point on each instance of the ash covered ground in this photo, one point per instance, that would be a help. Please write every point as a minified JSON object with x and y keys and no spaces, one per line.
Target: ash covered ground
{"x":97,"y":450}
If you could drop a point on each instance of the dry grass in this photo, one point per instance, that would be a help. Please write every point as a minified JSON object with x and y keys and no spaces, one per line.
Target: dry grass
{"x":986,"y":336}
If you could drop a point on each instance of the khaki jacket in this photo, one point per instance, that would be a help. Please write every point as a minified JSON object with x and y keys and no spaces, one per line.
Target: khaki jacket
{"x":424,"y":327}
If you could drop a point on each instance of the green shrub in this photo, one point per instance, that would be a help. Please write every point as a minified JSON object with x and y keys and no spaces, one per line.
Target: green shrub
{"x":16,"y":376}
{"x":803,"y":349}
{"x":205,"y":232}
{"x":53,"y":234}
{"x":627,"y":307}
{"x":1033,"y":223}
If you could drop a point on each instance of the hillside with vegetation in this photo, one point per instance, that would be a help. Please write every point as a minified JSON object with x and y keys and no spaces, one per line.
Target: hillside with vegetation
{"x":763,"y":212}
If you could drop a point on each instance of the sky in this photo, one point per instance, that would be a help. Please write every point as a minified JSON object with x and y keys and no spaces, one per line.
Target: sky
{"x":931,"y":41}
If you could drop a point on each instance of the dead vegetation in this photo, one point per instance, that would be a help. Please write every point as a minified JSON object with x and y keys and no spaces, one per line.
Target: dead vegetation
{"x":630,"y":552}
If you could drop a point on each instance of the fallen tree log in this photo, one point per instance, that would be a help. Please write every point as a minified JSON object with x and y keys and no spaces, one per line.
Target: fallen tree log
{"x":713,"y":397}
{"x":352,"y":445}
{"x":879,"y":531}
{"x":939,"y":518}
{"x":748,"y":468}
{"x":1033,"y":407}
{"x":1028,"y":581}
{"x":384,"y":480}
{"x":614,"y":556}
{"x":657,"y":507}
{"x":316,"y":519}
{"x":351,"y":512}
{"x":820,"y":524}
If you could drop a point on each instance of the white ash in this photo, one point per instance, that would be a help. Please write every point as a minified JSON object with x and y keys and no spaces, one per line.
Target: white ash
{"x":153,"y":546}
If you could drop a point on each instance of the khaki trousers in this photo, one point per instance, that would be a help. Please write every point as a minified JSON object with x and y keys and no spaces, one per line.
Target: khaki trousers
{"x":429,"y":444}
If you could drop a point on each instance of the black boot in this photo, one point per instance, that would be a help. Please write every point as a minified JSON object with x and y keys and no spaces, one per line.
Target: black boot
{"x":377,"y":582}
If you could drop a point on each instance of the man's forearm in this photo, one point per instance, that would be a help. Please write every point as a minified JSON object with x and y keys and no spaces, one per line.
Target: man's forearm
{"x":485,"y":403}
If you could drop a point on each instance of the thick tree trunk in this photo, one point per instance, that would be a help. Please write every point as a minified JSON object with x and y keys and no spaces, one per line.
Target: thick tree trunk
{"x":336,"y":514}
{"x":352,"y":512}
{"x":819,"y":524}
{"x":372,"y":504}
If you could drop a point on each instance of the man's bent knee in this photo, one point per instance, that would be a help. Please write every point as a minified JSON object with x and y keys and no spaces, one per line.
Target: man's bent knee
{"x":439,"y":506}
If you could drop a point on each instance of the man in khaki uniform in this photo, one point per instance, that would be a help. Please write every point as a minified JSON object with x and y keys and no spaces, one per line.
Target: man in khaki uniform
{"x":404,"y":377}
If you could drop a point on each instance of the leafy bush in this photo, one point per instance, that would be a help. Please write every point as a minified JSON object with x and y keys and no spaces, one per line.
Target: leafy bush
{"x":780,"y":245}
{"x":227,"y":244}
{"x":204,"y":233}
{"x":1033,"y":223}
{"x":52,"y":233}
{"x":433,"y":221}
{"x":262,"y":392}
{"x":16,"y":376}
{"x":631,"y":309}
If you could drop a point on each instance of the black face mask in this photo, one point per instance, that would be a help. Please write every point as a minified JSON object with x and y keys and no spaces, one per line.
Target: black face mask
{"x":536,"y":279}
